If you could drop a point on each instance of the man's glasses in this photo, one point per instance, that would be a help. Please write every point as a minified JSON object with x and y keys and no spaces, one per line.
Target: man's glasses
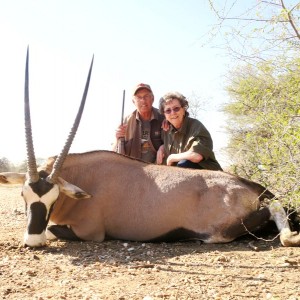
{"x":145,"y":97}
{"x":174,"y":109}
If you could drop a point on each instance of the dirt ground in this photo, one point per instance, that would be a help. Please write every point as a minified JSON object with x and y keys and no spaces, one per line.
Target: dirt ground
{"x":244,"y":269}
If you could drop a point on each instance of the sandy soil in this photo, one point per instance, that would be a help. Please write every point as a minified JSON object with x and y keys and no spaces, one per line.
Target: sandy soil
{"x":244,"y":269}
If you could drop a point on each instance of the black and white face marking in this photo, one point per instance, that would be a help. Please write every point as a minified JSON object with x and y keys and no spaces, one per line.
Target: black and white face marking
{"x":39,"y":198}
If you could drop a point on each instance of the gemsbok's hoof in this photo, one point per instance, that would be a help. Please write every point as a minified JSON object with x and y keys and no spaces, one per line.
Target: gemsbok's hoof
{"x":289,"y":238}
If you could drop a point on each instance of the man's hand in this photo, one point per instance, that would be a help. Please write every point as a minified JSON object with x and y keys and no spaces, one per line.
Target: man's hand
{"x":121,"y":130}
{"x":160,"y":155}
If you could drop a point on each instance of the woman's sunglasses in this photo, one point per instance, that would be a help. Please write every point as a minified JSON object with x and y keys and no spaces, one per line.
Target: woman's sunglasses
{"x":174,"y":109}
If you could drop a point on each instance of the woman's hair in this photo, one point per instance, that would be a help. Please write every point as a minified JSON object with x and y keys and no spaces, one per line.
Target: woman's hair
{"x":172,"y":96}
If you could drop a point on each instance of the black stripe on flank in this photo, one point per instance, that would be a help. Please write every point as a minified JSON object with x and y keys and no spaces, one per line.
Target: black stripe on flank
{"x":254,"y":221}
{"x":64,"y":232}
{"x":180,"y":235}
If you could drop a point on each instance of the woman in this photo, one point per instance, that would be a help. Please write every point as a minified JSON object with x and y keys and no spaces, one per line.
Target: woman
{"x":187,"y":143}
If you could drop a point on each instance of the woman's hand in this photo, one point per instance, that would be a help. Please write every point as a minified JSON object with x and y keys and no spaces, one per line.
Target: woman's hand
{"x":165,"y":125}
{"x":189,"y":155}
{"x":172,"y":158}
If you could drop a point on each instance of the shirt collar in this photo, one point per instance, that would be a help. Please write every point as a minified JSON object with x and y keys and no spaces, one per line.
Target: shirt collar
{"x":183,"y":128}
{"x":153,"y":115}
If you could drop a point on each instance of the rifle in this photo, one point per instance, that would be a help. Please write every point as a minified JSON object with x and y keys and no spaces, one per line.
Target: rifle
{"x":121,"y":141}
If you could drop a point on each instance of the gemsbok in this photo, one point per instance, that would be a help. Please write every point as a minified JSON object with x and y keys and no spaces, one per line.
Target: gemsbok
{"x":102,"y":195}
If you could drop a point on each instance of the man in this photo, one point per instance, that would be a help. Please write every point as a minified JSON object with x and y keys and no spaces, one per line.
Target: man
{"x":141,"y":130}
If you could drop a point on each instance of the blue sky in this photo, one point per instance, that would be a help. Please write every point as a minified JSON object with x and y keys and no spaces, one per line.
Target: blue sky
{"x":158,"y":42}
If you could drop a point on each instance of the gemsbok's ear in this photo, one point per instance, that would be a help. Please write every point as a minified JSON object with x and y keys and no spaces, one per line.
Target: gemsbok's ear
{"x":72,"y":190}
{"x":12,"y":178}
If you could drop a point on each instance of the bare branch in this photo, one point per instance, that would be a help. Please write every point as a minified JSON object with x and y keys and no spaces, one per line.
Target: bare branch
{"x":290,"y":19}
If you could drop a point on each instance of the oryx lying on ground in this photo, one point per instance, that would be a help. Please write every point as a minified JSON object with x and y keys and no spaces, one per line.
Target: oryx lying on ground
{"x":102,"y":194}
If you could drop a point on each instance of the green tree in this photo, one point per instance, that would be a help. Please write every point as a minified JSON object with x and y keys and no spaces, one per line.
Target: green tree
{"x":263,"y":38}
{"x":265,"y":126}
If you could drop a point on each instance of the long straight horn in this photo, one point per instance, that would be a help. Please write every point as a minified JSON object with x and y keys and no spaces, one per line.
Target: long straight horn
{"x":61,"y":158}
{"x":31,"y":162}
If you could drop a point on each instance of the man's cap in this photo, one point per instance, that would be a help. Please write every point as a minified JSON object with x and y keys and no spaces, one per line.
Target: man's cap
{"x":141,"y":86}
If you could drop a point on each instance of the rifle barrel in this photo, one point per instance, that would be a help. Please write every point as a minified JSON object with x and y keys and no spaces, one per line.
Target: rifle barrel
{"x":123,"y":104}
